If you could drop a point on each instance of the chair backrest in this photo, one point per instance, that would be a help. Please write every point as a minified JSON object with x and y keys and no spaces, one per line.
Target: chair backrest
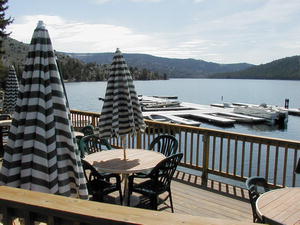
{"x":163,"y":172}
{"x":165,"y":144}
{"x":87,"y":130}
{"x":256,"y":186}
{"x":92,"y":143}
{"x":91,"y":175}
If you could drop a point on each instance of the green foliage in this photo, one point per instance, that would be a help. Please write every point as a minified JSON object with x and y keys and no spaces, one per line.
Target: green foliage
{"x":3,"y":22}
{"x":173,"y":68}
{"x":72,"y":69}
{"x":283,"y":69}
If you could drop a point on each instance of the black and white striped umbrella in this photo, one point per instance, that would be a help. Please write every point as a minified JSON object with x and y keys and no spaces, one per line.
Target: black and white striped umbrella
{"x":41,"y":153}
{"x":121,"y":112}
{"x":11,"y":91}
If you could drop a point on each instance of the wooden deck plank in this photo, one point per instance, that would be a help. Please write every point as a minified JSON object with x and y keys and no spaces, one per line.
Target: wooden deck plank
{"x":216,"y":200}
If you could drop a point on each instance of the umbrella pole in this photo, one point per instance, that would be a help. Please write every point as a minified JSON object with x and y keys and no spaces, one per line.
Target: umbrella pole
{"x":124,"y":146}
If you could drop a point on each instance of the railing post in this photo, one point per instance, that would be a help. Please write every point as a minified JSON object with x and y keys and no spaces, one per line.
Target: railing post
{"x":139,"y":140}
{"x":94,"y":121}
{"x":205,"y":159}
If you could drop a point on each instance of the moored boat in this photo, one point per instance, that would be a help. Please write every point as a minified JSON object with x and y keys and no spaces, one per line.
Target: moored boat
{"x":173,"y":119}
{"x":272,"y":115}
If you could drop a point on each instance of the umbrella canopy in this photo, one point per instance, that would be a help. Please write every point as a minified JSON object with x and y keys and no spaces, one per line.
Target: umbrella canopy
{"x":11,"y":91}
{"x":41,"y":153}
{"x":121,"y":112}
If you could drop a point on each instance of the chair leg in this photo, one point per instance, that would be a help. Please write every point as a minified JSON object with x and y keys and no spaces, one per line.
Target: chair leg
{"x":171,"y":200}
{"x":128,"y":198}
{"x":153,"y":202}
{"x":121,"y":196}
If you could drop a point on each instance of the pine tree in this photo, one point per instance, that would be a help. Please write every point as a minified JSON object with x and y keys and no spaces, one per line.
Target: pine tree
{"x":3,"y":34}
{"x":3,"y":22}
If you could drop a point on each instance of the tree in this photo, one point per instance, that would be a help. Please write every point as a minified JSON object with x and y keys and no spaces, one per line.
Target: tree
{"x":3,"y":23}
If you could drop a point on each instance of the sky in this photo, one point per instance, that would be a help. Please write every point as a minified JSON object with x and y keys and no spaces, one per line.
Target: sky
{"x":221,"y":31}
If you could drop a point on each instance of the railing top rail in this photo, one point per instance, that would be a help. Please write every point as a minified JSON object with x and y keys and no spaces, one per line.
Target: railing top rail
{"x":93,"y":212}
{"x":84,"y":112}
{"x":222,"y":133}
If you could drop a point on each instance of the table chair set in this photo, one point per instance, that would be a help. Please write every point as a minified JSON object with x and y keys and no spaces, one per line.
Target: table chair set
{"x":256,"y":186}
{"x":278,"y":206}
{"x":155,"y":181}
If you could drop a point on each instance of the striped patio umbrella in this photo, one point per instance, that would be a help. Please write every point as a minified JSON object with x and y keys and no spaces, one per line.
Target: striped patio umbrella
{"x":41,"y":154}
{"x":11,"y":91}
{"x":121,"y":112}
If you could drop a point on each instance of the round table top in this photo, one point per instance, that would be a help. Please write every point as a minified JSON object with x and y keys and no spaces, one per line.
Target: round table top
{"x":4,"y":123}
{"x":280,"y":205}
{"x":112,"y":161}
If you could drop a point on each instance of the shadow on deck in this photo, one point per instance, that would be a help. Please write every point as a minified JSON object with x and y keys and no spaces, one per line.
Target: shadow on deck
{"x":216,"y":200}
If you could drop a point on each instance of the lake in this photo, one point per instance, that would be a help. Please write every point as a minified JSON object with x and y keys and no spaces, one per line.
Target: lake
{"x":84,"y":96}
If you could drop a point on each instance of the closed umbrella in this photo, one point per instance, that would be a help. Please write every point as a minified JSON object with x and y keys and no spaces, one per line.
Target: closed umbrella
{"x":41,"y":154}
{"x":121,"y":112}
{"x":11,"y":91}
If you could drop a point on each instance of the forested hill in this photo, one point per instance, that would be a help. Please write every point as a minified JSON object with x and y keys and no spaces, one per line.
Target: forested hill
{"x":174,"y":68}
{"x":282,"y":69}
{"x":73,"y":69}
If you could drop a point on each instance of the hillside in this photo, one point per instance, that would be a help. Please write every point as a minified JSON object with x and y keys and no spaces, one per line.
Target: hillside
{"x":174,"y":68}
{"x":282,"y":69}
{"x":72,"y":69}
{"x":94,"y":66}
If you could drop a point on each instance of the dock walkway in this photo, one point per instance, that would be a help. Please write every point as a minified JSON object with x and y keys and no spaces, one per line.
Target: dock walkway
{"x":216,"y":115}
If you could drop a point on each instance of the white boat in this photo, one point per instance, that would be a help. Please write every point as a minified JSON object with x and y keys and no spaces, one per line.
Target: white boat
{"x":271,"y":114}
{"x":173,"y":119}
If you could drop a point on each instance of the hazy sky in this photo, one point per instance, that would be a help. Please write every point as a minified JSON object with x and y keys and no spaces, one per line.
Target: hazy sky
{"x":222,"y":31}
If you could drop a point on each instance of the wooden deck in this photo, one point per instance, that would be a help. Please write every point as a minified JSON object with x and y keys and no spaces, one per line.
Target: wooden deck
{"x":216,"y":200}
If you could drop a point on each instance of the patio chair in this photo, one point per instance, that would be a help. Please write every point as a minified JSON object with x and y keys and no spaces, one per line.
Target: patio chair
{"x":97,"y":185}
{"x":165,"y":144}
{"x":92,"y":143}
{"x":256,"y":186}
{"x":157,"y":182}
{"x":87,"y":130}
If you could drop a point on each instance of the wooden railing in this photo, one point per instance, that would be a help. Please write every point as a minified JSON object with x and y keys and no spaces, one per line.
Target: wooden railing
{"x":33,"y":207}
{"x":221,"y":153}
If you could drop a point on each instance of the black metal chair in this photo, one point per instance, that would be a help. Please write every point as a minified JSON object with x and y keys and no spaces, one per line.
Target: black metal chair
{"x":158,"y":181}
{"x":92,"y":143}
{"x":87,"y":130}
{"x":166,"y":144}
{"x":97,"y":185}
{"x":256,"y":186}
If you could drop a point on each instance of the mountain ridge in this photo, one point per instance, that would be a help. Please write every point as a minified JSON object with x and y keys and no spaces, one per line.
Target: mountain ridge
{"x":173,"y":67}
{"x":82,"y":66}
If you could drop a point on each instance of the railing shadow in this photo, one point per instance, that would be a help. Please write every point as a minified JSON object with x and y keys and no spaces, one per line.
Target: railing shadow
{"x":214,"y":186}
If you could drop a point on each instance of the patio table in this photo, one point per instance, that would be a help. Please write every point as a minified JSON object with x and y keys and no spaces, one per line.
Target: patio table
{"x":281,"y":206}
{"x":3,"y":123}
{"x":112,"y":161}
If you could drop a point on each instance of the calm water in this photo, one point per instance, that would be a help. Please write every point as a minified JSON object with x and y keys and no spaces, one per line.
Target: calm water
{"x":84,"y":96}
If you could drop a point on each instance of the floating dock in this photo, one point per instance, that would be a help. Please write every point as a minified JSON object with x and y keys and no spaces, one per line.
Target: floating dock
{"x":217,"y":115}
